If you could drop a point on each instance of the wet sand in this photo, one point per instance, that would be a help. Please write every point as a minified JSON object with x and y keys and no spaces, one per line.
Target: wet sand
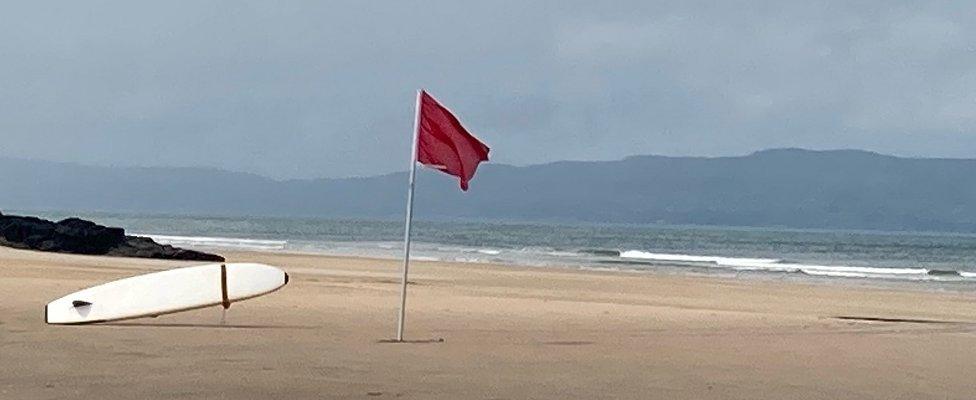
{"x":487,"y":332}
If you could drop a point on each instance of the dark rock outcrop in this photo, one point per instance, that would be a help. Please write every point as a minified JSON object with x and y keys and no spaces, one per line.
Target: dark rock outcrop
{"x":77,"y":236}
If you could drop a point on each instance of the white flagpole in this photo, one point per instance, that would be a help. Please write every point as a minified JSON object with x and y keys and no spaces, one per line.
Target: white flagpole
{"x":406,"y":230}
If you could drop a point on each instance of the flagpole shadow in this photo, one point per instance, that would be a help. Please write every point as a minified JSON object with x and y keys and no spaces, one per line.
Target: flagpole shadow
{"x":415,"y":341}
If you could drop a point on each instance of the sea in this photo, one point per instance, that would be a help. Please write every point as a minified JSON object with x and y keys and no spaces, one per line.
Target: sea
{"x":931,"y":260}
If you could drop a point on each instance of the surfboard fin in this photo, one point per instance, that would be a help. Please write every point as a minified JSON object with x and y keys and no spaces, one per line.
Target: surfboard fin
{"x":80,"y":303}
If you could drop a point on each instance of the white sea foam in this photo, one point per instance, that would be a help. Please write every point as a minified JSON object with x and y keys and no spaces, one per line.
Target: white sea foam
{"x":468,"y":260}
{"x":775,"y":265}
{"x":601,"y":269}
{"x":868,"y":271}
{"x":218,"y":242}
{"x":725,"y":261}
{"x":461,"y":249}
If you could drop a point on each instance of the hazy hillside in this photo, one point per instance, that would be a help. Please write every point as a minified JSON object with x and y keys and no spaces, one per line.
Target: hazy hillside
{"x":788,"y":187}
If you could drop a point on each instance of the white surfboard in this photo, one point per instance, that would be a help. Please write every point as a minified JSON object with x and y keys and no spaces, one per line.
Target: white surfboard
{"x":165,"y":292}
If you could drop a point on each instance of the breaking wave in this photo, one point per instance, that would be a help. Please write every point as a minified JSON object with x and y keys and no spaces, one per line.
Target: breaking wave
{"x":727,"y":261}
{"x":777,"y":265}
{"x":601,"y":252}
{"x":219,"y":242}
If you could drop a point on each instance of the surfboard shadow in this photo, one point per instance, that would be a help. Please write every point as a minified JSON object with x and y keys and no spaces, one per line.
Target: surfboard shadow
{"x":204,"y":326}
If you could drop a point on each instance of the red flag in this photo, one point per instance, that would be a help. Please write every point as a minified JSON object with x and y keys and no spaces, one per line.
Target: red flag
{"x":444,"y":144}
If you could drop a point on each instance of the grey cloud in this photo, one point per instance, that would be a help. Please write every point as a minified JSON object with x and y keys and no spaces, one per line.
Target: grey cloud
{"x":325,"y":89}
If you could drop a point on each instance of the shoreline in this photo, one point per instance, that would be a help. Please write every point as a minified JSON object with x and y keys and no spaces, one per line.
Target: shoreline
{"x":929,"y":262}
{"x":675,"y":270}
{"x":922,"y":286}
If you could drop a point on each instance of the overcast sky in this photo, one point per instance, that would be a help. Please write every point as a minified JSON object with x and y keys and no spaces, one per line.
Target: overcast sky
{"x":325,"y":89}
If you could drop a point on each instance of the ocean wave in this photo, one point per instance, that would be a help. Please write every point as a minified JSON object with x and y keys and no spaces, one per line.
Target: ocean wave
{"x":829,"y":269}
{"x":777,"y":265}
{"x":219,"y":242}
{"x":629,"y":260}
{"x":727,"y":261}
{"x":944,"y":272}
{"x":601,"y":252}
{"x":865,"y":272}
{"x":462,"y":249}
{"x":601,"y":269}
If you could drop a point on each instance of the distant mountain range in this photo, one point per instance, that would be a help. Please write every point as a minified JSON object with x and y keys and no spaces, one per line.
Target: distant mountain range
{"x":847,"y":189}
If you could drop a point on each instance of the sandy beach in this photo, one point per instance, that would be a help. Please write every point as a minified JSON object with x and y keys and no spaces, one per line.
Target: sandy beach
{"x":488,"y":332}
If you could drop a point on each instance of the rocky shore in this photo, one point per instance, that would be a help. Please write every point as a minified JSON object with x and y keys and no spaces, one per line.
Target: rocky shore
{"x":78,"y":236}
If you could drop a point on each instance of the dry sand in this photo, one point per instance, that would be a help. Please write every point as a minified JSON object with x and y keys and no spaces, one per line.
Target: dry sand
{"x":508,"y":333}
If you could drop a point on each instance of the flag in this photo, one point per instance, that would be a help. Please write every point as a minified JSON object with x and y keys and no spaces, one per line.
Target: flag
{"x":443,"y":144}
{"x":439,"y":142}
